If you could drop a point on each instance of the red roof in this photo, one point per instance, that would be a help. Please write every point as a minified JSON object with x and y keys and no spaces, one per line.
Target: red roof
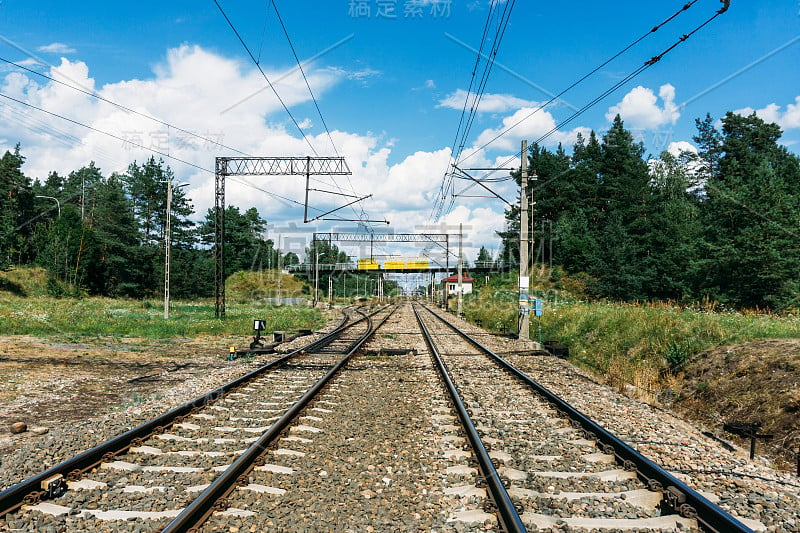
{"x":454,"y":279}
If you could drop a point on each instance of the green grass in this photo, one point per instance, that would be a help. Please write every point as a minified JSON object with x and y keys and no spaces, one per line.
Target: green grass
{"x":640,"y":344}
{"x":130,"y":318}
{"x":643,"y":343}
{"x":25,"y":309}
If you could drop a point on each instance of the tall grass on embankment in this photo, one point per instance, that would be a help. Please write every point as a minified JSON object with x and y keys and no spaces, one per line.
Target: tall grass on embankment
{"x":642,"y":344}
{"x":25,"y":309}
{"x":131,"y":318}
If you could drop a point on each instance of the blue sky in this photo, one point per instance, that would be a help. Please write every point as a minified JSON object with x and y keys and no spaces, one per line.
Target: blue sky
{"x":391,"y":91}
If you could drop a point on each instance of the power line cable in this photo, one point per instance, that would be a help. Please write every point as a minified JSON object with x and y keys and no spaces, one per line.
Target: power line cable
{"x":647,"y":64}
{"x":271,"y":86}
{"x":300,"y":66}
{"x":263,"y":32}
{"x":149,"y":149}
{"x":582,"y":79}
{"x":462,"y":135}
{"x":363,"y":214}
{"x":502,"y":25}
{"x":132,"y":111}
{"x":96,"y":130}
{"x":122,"y":107}
{"x":444,"y":185}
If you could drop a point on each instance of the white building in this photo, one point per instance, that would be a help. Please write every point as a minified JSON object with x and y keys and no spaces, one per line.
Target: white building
{"x":451,"y":284}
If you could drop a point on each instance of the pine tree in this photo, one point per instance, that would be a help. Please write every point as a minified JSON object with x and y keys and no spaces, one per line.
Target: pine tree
{"x":751,"y":215}
{"x":16,"y":210}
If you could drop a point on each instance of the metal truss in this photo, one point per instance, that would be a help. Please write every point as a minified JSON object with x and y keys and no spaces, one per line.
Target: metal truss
{"x":283,"y":166}
{"x":262,"y":166}
{"x":440,"y":239}
{"x":382,"y":237}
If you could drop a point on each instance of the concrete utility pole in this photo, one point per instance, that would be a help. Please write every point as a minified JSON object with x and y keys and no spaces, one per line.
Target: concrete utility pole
{"x":460,"y":269}
{"x":280,"y":268}
{"x":167,"y":246}
{"x":524,"y":244}
{"x":316,"y":273}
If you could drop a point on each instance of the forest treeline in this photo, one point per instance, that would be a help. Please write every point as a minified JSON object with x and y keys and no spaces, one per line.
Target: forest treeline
{"x":104,"y":235}
{"x":720,"y":225}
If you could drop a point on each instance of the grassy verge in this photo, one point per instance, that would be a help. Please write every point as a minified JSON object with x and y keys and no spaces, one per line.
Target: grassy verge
{"x":110,"y":317}
{"x":638,"y":344}
{"x":644,"y":344}
{"x":26,"y":309}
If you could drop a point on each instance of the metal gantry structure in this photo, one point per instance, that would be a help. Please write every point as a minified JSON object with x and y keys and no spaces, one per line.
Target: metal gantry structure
{"x":260,"y":166}
{"x":440,"y":239}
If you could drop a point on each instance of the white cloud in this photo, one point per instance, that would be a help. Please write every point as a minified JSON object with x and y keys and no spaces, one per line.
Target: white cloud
{"x":528,"y":123}
{"x":430,"y":84}
{"x":787,"y":120}
{"x":640,"y":109}
{"x":56,"y":48}
{"x":490,"y":103}
{"x":678,"y":147}
{"x":181,"y":93}
{"x":364,"y":75}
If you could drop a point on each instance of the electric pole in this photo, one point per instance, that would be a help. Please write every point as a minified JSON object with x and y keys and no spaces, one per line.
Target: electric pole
{"x":524,"y":243}
{"x":280,"y":268}
{"x":460,"y":269}
{"x":167,"y":244}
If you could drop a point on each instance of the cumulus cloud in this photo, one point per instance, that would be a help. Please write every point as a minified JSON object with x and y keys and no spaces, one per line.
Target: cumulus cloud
{"x":490,"y":103}
{"x":640,"y":108}
{"x":56,"y":48}
{"x":679,"y":147}
{"x":232,"y":108}
{"x":787,"y":120}
{"x":528,"y":123}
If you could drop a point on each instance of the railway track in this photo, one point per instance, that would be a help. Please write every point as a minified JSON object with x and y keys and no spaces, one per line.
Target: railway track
{"x":571,"y":458}
{"x":193,"y":453}
{"x":356,"y":433}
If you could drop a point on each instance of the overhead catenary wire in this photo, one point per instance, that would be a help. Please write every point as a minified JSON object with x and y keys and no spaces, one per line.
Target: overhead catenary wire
{"x":463,"y":134}
{"x":583,"y":78}
{"x":646,"y":65}
{"x":127,"y":109}
{"x":482,"y":87}
{"x":149,"y":149}
{"x":264,"y":75}
{"x":466,"y":119}
{"x":363,"y":214}
{"x":272,"y":86}
{"x":122,"y":107}
{"x":444,"y":187}
{"x":302,"y":72}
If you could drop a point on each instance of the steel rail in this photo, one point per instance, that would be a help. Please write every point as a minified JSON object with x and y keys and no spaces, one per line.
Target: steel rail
{"x":507,"y":514}
{"x":52,"y":482}
{"x":682,"y":498}
{"x":204,"y":505}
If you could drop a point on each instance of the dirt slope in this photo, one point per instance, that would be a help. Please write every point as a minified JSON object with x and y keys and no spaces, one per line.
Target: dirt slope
{"x":756,"y":381}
